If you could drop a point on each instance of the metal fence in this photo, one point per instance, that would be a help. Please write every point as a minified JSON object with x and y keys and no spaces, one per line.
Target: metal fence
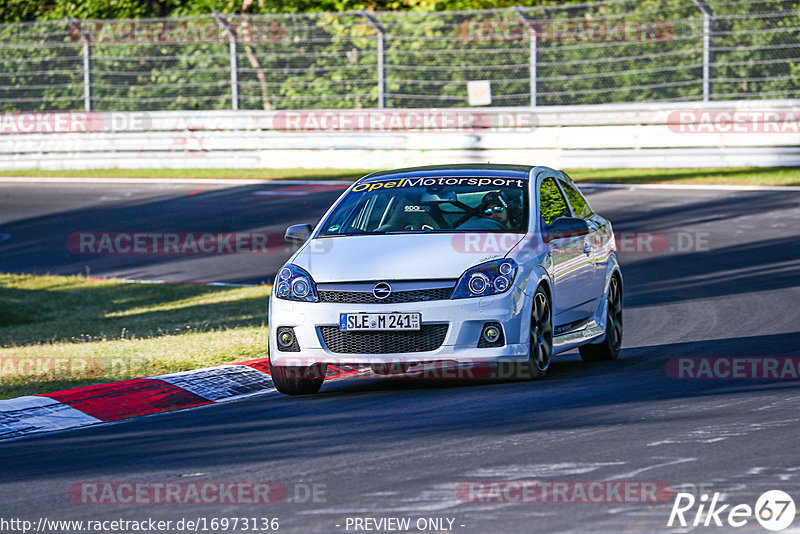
{"x":567,"y":54}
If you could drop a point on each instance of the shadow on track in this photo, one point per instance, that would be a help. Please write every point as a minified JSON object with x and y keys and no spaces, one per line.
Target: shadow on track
{"x":40,"y":244}
{"x":348,"y":414}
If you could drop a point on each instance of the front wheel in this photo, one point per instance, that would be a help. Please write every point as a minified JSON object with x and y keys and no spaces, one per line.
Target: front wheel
{"x":541,"y":342}
{"x":610,"y":347}
{"x":300,"y":380}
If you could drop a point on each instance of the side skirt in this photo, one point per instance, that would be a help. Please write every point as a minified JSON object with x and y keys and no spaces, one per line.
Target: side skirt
{"x":593,"y":332}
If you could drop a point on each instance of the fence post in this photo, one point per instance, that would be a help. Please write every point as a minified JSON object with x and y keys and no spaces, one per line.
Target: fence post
{"x":708,"y":57}
{"x":381,"y":56}
{"x":532,"y":54}
{"x":232,"y":44}
{"x":87,"y":64}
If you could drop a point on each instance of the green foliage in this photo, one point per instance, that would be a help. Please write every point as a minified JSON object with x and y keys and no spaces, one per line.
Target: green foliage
{"x":26,"y":10}
{"x":322,"y":57}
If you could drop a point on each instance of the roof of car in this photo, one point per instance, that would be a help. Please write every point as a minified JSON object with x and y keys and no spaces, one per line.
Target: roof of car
{"x":460,"y":169}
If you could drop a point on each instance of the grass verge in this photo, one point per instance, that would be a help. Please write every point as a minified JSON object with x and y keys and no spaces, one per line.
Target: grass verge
{"x":727,"y":176}
{"x":58,"y":332}
{"x":238,"y":174}
{"x":723,"y":176}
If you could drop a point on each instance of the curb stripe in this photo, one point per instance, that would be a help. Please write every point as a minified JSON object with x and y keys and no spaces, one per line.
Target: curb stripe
{"x":221,"y":383}
{"x":130,"y":398}
{"x":31,"y":414}
{"x":88,"y":405}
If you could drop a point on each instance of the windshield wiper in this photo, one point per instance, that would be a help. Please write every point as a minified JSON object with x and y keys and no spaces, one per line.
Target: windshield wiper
{"x":350,"y":234}
{"x":425,"y":231}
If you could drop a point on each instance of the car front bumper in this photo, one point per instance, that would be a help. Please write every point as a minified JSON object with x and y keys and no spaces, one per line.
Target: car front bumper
{"x":465,"y":319}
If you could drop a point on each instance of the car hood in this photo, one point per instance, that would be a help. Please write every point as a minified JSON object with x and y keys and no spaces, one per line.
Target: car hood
{"x":401,"y":256}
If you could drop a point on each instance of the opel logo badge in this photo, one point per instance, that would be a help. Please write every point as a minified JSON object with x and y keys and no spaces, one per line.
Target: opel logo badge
{"x":381,"y":290}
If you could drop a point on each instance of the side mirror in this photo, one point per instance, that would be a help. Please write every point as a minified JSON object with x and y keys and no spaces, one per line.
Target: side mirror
{"x":565,"y":227}
{"x":298,"y":234}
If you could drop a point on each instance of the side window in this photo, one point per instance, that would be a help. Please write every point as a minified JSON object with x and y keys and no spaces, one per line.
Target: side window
{"x":552,"y":203}
{"x":579,"y":205}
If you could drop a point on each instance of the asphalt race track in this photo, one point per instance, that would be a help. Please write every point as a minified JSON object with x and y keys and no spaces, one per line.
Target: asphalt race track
{"x":725,"y":281}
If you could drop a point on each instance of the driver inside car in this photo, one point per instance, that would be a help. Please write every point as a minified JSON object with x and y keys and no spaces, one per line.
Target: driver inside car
{"x":495,"y":207}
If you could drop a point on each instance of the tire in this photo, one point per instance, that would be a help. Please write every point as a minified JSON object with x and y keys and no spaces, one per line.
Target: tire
{"x":298,"y":380}
{"x":541,"y":340}
{"x":610,"y":347}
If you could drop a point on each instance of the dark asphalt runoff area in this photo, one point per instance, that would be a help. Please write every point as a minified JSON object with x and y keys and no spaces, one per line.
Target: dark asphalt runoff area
{"x":724,"y":282}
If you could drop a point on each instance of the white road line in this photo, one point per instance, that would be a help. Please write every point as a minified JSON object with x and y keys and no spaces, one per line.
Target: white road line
{"x":632,"y":474}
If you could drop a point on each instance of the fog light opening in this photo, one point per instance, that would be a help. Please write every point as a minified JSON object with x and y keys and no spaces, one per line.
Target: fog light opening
{"x":285,"y":338}
{"x":491,"y":334}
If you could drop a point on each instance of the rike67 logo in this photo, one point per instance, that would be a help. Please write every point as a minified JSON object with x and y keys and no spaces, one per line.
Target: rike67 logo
{"x":774,"y":510}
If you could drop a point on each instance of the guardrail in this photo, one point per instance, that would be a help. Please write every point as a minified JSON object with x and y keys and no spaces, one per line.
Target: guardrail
{"x":700,"y":134}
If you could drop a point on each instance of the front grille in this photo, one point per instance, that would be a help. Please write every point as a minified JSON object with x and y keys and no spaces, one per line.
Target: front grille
{"x":366,"y":297}
{"x":429,"y":337}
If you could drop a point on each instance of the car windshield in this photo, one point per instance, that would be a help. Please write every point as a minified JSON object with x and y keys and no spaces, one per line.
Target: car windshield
{"x":411,"y":205}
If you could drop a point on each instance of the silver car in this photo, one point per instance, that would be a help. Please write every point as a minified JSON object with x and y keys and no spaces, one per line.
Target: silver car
{"x":466,"y":264}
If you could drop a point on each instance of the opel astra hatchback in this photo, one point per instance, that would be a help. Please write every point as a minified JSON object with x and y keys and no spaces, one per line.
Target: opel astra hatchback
{"x":490,"y":264}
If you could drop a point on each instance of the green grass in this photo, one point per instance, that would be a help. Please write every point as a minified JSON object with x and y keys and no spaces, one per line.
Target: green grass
{"x":724,"y":176}
{"x":58,"y":332}
{"x":239,"y":174}
{"x":727,"y":176}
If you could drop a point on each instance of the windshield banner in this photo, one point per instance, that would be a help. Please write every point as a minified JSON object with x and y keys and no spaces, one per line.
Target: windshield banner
{"x":428,"y":182}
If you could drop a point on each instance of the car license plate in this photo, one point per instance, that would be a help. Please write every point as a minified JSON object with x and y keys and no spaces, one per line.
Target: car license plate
{"x":354,"y":322}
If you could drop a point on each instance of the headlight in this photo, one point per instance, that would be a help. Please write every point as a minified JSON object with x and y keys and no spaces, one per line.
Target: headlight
{"x":489,"y":278}
{"x":293,"y":283}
